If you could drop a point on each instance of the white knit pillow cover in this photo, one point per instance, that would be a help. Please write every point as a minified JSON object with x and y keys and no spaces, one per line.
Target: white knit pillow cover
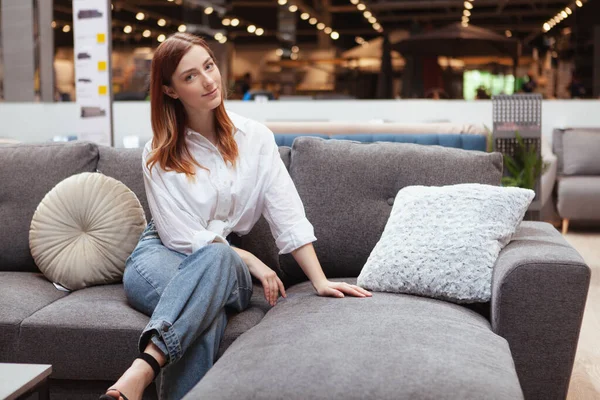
{"x":84,"y":229}
{"x":442,"y":242}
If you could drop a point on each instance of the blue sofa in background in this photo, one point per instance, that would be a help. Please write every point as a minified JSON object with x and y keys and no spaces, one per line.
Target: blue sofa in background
{"x":460,"y":141}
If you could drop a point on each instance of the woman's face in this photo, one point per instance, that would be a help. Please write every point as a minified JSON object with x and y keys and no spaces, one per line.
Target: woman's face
{"x":196,"y":81}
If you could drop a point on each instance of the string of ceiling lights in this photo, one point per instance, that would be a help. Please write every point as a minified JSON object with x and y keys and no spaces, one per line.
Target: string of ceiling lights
{"x":305,"y":16}
{"x":562,"y":15}
{"x":368,"y":15}
{"x":467,"y":12}
{"x":160,"y":34}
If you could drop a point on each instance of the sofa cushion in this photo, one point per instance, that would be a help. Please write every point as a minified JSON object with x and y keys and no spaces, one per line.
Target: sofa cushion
{"x":580,"y":152}
{"x":22,"y":294}
{"x":27,"y":173}
{"x":259,"y":241}
{"x":578,"y":197}
{"x":442,"y":241}
{"x":125,"y":165}
{"x":84,"y":229}
{"x":383,"y":347}
{"x":348,"y":190}
{"x":93,"y":333}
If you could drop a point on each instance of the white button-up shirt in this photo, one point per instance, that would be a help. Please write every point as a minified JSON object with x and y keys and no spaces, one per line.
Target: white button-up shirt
{"x":190,"y":213}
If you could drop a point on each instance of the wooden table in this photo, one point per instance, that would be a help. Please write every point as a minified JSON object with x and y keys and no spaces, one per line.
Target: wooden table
{"x":19,"y":379}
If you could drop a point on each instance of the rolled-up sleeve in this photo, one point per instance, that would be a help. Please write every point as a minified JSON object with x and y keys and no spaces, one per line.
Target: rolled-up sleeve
{"x":283,"y":208}
{"x":178,"y":230}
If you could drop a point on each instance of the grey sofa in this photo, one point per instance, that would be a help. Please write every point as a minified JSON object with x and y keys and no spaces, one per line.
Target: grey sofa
{"x":521,"y":344}
{"x":578,"y":181}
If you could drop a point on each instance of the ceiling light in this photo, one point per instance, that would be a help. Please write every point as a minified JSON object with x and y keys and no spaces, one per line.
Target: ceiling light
{"x":465,"y":24}
{"x":467,"y":13}
{"x":328,"y":30}
{"x":295,"y":49}
{"x":182,"y":28}
{"x":294,"y":56}
{"x":223,"y":39}
{"x":127,"y":29}
{"x":218,"y":35}
{"x":367,"y":14}
{"x":140,"y":16}
{"x":161,"y":22}
{"x":161,"y":38}
{"x":235,"y":22}
{"x":320,"y":26}
{"x":546,"y":27}
{"x":468,"y":5}
{"x":282,"y":2}
{"x":568,"y":10}
{"x":147,"y":33}
{"x":66,"y":28}
{"x":293,"y":8}
{"x":208,"y":10}
{"x":355,"y":2}
{"x":304,"y":16}
{"x":226,"y":21}
{"x":376,"y":26}
{"x":579,"y":3}
{"x":259,"y":31}
{"x":251,"y":28}
{"x":508,"y":33}
{"x":564,"y":14}
{"x":312,"y":21}
{"x":372,"y":20}
{"x":53,"y":24}
{"x":279,"y":52}
{"x":361,"y":6}
{"x":335,"y":35}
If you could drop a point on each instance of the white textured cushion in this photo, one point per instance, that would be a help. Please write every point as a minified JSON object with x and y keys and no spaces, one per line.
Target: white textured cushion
{"x":84,"y":229}
{"x":442,"y":242}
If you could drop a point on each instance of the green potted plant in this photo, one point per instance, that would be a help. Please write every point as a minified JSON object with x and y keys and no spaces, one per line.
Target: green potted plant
{"x":525,"y":167}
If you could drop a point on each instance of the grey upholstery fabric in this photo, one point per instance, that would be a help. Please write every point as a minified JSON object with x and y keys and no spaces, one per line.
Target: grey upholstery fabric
{"x":390,"y":346}
{"x":27,"y":173}
{"x":21,"y":295}
{"x":348,"y":189}
{"x":539,"y":290}
{"x":579,"y":197}
{"x":95,"y":342}
{"x":125,"y":165}
{"x":259,"y":241}
{"x":581,"y":148}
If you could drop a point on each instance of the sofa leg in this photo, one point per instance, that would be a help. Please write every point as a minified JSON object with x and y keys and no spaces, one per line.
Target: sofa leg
{"x":565,"y":226}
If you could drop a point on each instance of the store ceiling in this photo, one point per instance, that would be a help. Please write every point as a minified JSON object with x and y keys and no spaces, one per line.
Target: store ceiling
{"x":524,"y":18}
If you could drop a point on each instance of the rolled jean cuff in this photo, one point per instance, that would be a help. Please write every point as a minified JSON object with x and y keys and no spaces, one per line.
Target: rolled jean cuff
{"x":164,"y":337}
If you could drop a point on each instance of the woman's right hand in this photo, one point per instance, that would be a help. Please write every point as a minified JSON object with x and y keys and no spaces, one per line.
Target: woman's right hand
{"x":272,"y":285}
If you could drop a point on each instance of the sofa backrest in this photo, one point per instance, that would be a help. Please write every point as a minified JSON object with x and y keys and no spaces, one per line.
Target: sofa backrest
{"x":577,"y":150}
{"x":125,"y":165}
{"x":348,"y":190}
{"x":27,"y":173}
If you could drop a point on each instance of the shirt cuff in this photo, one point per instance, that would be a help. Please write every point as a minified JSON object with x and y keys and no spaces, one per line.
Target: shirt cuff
{"x":203,"y":238}
{"x":297,"y":236}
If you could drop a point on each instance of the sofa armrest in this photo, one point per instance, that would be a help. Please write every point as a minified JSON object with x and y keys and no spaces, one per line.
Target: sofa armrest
{"x":539,"y":290}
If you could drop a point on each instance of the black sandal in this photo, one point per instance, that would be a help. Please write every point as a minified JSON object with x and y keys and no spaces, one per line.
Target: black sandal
{"x":155,"y":367}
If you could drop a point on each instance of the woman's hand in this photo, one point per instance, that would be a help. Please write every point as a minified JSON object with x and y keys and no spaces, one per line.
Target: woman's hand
{"x":271,"y":283}
{"x":337,"y":289}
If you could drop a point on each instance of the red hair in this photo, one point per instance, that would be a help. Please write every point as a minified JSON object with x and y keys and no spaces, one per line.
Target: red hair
{"x":169,"y":118}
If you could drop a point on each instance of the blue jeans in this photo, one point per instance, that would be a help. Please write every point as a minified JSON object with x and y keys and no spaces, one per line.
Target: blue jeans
{"x":185,"y":297}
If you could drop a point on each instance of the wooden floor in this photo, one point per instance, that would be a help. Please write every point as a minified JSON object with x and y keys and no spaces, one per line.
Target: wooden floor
{"x":585,"y":380}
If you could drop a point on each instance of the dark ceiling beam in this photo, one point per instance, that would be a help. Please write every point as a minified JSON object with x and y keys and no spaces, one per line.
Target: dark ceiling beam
{"x":440,"y":4}
{"x":457,"y":16}
{"x":254,"y":4}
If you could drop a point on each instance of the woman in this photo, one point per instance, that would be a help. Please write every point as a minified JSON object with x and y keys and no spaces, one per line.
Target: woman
{"x":207,"y":173}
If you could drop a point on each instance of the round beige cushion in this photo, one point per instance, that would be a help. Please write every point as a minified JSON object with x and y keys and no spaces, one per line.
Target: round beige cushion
{"x":84,"y":230}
